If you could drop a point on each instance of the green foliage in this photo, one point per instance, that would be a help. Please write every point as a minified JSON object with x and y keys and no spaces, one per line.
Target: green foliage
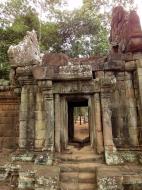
{"x":50,"y":38}
{"x":4,"y":45}
{"x":81,"y":32}
{"x":13,"y":35}
{"x":25,"y":23}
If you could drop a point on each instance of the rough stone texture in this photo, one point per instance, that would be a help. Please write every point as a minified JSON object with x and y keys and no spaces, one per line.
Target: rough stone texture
{"x":111,"y":87}
{"x":126,"y":33}
{"x":26,"y":52}
{"x":9,"y":116}
{"x":14,"y":177}
{"x":70,"y":71}
{"x":116,"y":178}
{"x":75,"y":71}
{"x":55,"y":59}
{"x":123,"y":107}
{"x":40,"y":129}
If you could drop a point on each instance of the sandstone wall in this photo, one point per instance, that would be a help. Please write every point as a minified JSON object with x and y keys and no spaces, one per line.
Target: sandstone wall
{"x":126,"y":33}
{"x":124,"y":110}
{"x":9,"y":116}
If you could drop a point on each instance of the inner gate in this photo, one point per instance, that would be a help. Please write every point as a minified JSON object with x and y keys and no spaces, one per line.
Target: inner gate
{"x":78,"y":122}
{"x":75,"y":121}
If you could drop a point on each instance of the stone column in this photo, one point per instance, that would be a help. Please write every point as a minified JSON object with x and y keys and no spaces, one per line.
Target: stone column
{"x":27,"y":115}
{"x":139,"y":79}
{"x":57,"y":123}
{"x":23,"y":118}
{"x":49,"y":114}
{"x":131,"y":110}
{"x":118,"y":106}
{"x":106,"y":119}
{"x":98,"y":124}
{"x":64,"y":124}
{"x":111,"y":154}
{"x":91,"y":123}
{"x":39,"y":121}
{"x":31,"y":117}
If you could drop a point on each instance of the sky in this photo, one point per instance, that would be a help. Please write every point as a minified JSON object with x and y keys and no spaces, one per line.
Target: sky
{"x":72,"y":4}
{"x":77,"y":3}
{"x":139,"y":5}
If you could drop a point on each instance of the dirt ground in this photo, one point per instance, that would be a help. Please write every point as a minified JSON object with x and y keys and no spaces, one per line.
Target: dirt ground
{"x":81,"y":132}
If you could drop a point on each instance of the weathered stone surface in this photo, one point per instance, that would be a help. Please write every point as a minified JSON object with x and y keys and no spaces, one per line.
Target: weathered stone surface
{"x":14,"y":177}
{"x":98,"y":124}
{"x":26,"y":180}
{"x":26,"y":157}
{"x":23,"y":118}
{"x":55,"y":59}
{"x":26,"y":52}
{"x":70,"y":71}
{"x":126,"y":33}
{"x":116,"y":178}
{"x":24,"y":71}
{"x":109,"y":86}
{"x":75,"y":71}
{"x":9,"y":116}
{"x":40,"y":129}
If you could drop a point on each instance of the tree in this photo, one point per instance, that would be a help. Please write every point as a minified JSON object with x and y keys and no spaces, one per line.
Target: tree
{"x":104,"y":8}
{"x":81,"y":32}
{"x":11,"y":9}
{"x":14,"y":34}
{"x":50,"y":39}
{"x":85,"y":31}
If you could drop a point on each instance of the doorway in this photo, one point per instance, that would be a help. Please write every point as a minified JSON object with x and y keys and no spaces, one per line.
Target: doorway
{"x":78,"y":122}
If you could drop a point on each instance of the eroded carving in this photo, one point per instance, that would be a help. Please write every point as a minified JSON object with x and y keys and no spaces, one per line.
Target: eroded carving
{"x":26,"y":52}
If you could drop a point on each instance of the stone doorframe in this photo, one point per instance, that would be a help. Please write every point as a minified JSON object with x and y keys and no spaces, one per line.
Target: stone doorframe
{"x":61,"y":120}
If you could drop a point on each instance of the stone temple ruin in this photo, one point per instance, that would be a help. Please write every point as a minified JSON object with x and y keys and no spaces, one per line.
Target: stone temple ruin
{"x":37,"y":118}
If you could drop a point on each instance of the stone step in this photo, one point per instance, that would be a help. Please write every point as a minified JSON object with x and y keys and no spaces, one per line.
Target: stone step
{"x":77,"y":186}
{"x":83,"y":177}
{"x":79,"y":167}
{"x":81,"y":158}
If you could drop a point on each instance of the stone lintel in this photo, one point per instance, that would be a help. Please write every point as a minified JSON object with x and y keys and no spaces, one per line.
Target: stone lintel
{"x":76,"y":87}
{"x":68,"y":72}
{"x":26,"y":80}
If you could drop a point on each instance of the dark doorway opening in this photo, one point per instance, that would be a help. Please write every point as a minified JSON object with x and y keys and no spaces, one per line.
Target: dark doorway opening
{"x":78,"y":125}
{"x":132,"y":187}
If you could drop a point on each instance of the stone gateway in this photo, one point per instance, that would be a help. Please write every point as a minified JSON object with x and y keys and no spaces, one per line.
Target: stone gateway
{"x":37,"y":114}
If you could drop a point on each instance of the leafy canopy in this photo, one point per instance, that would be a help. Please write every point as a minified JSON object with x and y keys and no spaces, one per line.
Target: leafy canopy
{"x":81,"y":32}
